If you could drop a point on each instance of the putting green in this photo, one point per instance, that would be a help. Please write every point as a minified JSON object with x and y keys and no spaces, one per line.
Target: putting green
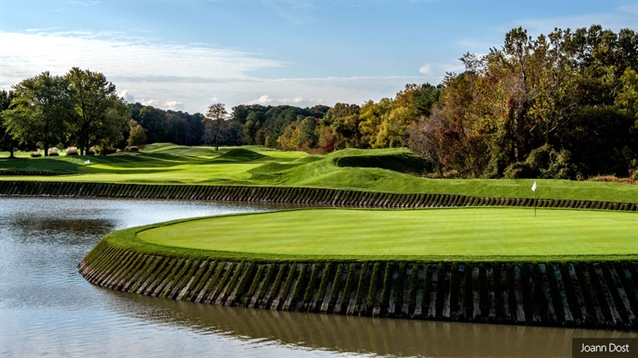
{"x":467,"y":232}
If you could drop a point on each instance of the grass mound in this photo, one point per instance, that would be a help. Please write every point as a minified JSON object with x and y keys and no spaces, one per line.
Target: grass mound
{"x":308,"y":159}
{"x":403,"y":162}
{"x":239,"y":155}
{"x":461,"y":233}
{"x":173,"y":151}
{"x":64,"y":164}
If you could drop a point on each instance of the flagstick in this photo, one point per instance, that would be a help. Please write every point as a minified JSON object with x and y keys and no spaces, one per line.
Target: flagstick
{"x":534,"y":203}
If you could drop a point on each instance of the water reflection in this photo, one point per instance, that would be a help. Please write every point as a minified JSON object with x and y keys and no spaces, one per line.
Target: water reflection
{"x":46,"y":308}
{"x":362,"y":335}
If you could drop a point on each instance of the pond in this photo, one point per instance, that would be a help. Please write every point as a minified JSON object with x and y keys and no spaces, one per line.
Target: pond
{"x":47,"y":308}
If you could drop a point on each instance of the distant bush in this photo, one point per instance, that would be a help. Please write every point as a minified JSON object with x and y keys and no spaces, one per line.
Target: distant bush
{"x":72,"y":151}
{"x":91,"y":151}
{"x":613,"y":179}
{"x":107,"y":151}
{"x":543,"y":162}
{"x":53,"y":152}
{"x":35,"y":154}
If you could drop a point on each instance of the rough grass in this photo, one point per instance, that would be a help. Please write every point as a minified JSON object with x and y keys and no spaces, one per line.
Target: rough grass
{"x":381,"y":170}
{"x":458,"y":234}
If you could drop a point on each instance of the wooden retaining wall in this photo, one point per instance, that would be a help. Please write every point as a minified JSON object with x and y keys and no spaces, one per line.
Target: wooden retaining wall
{"x":292,"y":195}
{"x":595,"y":295}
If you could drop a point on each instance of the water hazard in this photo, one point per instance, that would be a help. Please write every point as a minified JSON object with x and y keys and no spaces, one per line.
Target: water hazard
{"x":47,"y":308}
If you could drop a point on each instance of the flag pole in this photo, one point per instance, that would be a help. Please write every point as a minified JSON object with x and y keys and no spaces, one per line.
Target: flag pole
{"x":534,"y":190}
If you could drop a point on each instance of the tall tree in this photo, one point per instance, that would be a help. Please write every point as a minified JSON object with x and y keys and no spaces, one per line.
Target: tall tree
{"x":214,"y":123}
{"x":137,"y":134}
{"x":7,"y":142}
{"x":99,"y":114}
{"x":154,"y":121}
{"x":40,"y":111}
{"x":344,"y":119}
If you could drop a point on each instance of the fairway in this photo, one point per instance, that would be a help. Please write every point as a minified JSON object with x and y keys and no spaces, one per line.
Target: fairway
{"x":456,"y":232}
{"x":376,"y":170}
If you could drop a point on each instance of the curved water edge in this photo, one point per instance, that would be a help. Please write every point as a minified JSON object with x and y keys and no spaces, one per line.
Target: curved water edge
{"x":572,"y":294}
{"x":291,"y":195}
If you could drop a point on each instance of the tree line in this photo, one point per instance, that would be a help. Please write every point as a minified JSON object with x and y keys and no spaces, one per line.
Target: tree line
{"x":562,"y":105}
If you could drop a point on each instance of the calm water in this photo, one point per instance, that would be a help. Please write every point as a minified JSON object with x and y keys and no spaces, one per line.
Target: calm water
{"x":48,"y":309}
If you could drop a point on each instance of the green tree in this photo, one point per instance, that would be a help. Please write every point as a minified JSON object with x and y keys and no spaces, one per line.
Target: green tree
{"x":99,"y":114}
{"x":215,"y":123}
{"x":307,"y":134}
{"x":372,"y":115}
{"x":627,"y":99}
{"x":7,"y":142}
{"x":40,"y":110}
{"x":154,"y":121}
{"x":344,"y":119}
{"x":137,"y":134}
{"x":392,"y":131}
{"x":250,"y":128}
{"x":603,"y":141}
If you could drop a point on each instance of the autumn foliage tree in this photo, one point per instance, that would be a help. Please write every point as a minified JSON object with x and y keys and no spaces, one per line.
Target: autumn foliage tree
{"x":531,"y":108}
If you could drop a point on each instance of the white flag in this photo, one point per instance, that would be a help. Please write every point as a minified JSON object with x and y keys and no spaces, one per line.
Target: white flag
{"x":534,"y":187}
{"x":89,"y":162}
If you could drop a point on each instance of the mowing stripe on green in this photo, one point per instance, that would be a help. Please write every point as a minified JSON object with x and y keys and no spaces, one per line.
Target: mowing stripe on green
{"x":425,"y":232}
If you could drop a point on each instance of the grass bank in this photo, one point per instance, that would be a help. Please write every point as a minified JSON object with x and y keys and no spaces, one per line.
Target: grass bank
{"x":382,"y":170}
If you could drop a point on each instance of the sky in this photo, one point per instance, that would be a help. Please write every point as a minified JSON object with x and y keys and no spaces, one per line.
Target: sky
{"x":186,"y":55}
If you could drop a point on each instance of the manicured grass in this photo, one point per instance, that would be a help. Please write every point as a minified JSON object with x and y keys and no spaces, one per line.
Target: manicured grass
{"x":384,"y":170}
{"x":425,"y":234}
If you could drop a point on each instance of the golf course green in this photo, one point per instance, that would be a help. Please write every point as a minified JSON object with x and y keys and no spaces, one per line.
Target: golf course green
{"x":399,"y":234}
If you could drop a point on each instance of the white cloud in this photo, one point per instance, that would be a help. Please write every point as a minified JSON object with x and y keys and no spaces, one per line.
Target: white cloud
{"x":27,"y":54}
{"x":128,"y":97}
{"x":157,"y":73}
{"x":290,"y":100}
{"x":312,"y":91}
{"x":440,"y":69}
{"x":174,"y":105}
{"x":425,"y":69}
{"x":167,"y":104}
{"x":149,"y":102}
{"x":265,"y":99}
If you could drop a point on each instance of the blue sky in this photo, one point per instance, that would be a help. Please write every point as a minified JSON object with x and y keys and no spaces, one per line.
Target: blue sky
{"x":185,"y":55}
